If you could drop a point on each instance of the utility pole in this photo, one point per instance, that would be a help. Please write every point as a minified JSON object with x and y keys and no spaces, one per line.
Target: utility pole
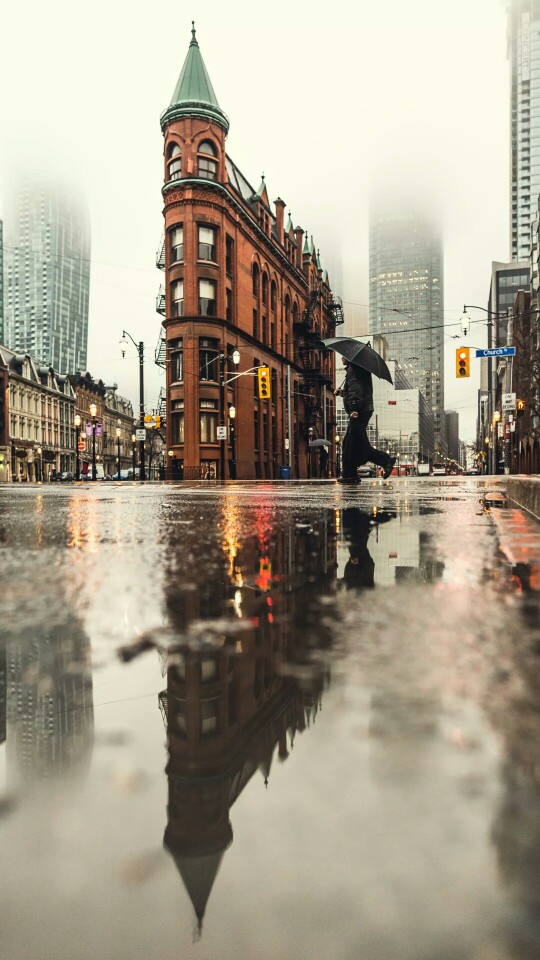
{"x":289,"y":418}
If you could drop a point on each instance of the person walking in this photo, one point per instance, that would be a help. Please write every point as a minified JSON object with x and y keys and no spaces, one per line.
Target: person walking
{"x":357,"y":393}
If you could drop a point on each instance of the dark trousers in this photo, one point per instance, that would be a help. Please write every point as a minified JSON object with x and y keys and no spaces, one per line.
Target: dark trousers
{"x":357,"y":449}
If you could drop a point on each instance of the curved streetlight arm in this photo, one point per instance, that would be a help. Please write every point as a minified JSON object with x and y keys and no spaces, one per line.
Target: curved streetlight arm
{"x":126,"y":334}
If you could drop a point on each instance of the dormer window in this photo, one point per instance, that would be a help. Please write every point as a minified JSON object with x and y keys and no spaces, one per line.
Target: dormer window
{"x":207,"y":163}
{"x":174,"y":163}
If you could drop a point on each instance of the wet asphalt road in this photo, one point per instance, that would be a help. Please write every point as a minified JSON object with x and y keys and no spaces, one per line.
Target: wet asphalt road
{"x":262,"y":721}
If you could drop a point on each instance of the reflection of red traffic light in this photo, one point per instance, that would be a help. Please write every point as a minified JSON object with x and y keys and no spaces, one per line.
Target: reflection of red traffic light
{"x":463,"y":362}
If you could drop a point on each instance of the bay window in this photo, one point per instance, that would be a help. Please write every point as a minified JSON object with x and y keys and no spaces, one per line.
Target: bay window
{"x":207,"y":298}
{"x":177,"y":296}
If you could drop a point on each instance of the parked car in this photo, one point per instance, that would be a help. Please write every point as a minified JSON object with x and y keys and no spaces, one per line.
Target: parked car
{"x":64,"y":477}
{"x":124,"y":475}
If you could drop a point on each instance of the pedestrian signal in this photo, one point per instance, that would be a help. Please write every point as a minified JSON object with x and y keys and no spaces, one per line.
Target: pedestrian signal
{"x":520,"y":408}
{"x":463,"y":368}
{"x":263,"y":374}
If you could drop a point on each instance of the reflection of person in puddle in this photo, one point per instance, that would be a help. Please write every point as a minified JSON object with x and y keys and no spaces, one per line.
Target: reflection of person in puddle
{"x":356,"y":525}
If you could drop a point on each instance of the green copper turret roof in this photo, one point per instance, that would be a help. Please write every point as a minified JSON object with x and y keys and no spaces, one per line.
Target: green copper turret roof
{"x":319,"y":264}
{"x":194,"y":94}
{"x":306,"y":244}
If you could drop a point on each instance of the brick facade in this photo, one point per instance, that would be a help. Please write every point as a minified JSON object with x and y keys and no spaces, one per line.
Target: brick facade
{"x":264,"y":289}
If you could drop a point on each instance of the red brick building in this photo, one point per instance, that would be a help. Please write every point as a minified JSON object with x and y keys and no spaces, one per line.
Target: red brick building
{"x":237,"y":278}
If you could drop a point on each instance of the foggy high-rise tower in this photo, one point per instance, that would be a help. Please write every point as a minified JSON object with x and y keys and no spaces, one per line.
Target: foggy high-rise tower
{"x":524,"y":56}
{"x":47,"y":275}
{"x":406,"y":296}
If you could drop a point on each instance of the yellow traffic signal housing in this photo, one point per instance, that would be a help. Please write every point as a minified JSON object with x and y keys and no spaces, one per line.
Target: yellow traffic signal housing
{"x":463,"y":365}
{"x":520,"y":408}
{"x":158,"y":422}
{"x":263,"y":373}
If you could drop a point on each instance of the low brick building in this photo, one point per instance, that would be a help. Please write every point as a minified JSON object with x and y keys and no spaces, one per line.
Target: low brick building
{"x":237,"y":278}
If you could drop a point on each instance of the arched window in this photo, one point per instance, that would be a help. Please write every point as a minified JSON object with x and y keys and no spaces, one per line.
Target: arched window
{"x":287,"y":309}
{"x":207,"y":164}
{"x":174,"y":162}
{"x":265,"y":289}
{"x":255,"y":275}
{"x":295,"y":312}
{"x":273,"y":296}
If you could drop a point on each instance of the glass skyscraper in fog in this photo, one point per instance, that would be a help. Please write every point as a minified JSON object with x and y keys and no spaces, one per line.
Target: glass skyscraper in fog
{"x":406,"y":298}
{"x":47,"y":275}
{"x":524,"y":56}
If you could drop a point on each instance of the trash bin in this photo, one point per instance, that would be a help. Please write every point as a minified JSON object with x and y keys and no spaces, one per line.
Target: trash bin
{"x":284,"y":473}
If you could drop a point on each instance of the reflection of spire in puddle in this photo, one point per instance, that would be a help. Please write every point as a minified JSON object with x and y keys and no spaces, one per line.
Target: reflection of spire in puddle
{"x":228,"y":709}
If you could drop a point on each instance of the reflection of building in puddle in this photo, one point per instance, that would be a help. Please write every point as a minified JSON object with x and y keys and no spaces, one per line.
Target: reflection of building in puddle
{"x":513,"y":709}
{"x":229,"y":709}
{"x":50,"y":714}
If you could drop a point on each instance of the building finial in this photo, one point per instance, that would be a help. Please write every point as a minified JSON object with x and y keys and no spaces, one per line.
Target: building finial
{"x":193,"y":37}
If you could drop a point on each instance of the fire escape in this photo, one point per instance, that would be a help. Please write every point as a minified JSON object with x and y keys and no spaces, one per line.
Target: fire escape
{"x":310,"y":359}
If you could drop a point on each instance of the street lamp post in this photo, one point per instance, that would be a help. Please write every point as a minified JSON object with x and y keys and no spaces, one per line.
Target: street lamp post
{"x":134,"y":451}
{"x":310,"y":438}
{"x":338,"y":455}
{"x":140,"y":350}
{"x":118,"y":435}
{"x":39,"y":461}
{"x":222,"y":361}
{"x":77,"y":423}
{"x":93,"y":411}
{"x":232,"y":416}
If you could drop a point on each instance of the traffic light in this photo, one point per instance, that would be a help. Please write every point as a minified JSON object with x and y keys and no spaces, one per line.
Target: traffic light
{"x":263,"y":374}
{"x":463,"y":368}
{"x":520,"y":408}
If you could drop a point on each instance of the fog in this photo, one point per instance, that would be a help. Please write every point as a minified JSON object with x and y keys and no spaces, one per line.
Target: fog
{"x":320,"y":98}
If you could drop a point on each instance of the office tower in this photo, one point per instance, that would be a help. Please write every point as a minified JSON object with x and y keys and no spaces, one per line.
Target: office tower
{"x":506,"y":280}
{"x":452,"y":433}
{"x":524,"y":57}
{"x":406,"y":297}
{"x":47,"y":275}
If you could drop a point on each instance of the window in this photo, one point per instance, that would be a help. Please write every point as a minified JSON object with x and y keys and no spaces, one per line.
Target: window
{"x":177,"y":296}
{"x":294,"y":313}
{"x":265,"y":329}
{"x":177,"y":417}
{"x":265,"y":289}
{"x":209,"y":716}
{"x":207,"y":298}
{"x":208,"y":359}
{"x":177,"y":360}
{"x":174,"y":165}
{"x":207,"y":243}
{"x":255,"y":278}
{"x":273,"y":296}
{"x":229,"y":256}
{"x":287,"y":309}
{"x":256,"y":429}
{"x":177,"y":244}
{"x":208,"y":419}
{"x":273,"y":336}
{"x":228,"y":305}
{"x":256,"y":363}
{"x":207,"y":165}
{"x":256,"y":324}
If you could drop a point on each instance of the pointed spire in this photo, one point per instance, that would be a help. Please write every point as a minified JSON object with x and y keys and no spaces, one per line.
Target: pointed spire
{"x":262,"y":186}
{"x":306,"y":244}
{"x":194,"y":94}
{"x":319,"y":264}
{"x":199,"y":874}
{"x":289,"y":226}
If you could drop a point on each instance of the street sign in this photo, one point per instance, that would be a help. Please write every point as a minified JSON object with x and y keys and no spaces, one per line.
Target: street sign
{"x":221,"y":433}
{"x":140,"y":434}
{"x":497,"y":352}
{"x":81,"y":446}
{"x":509,"y":401}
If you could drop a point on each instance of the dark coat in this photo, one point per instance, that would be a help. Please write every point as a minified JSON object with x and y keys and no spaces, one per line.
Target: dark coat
{"x":357,"y":390}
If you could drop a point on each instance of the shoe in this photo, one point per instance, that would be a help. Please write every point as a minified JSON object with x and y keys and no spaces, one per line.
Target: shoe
{"x":389,"y":467}
{"x":348,"y":479}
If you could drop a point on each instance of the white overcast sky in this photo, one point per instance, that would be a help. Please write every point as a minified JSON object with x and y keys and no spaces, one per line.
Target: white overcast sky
{"x":319,"y":96}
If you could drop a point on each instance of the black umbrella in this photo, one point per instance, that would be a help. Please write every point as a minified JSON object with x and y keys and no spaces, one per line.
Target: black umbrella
{"x":361,"y":354}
